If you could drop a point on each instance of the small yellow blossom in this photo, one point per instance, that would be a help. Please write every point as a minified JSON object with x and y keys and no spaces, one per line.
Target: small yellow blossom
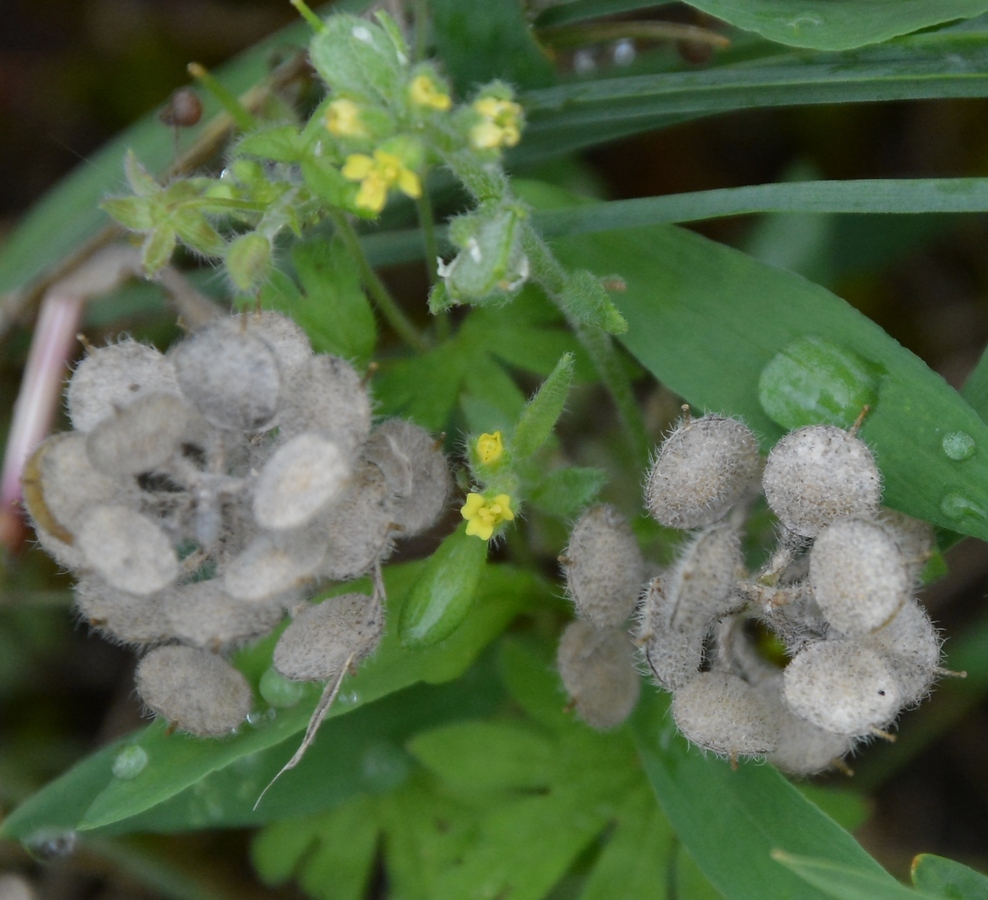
{"x":484,"y":515}
{"x":489,"y":448}
{"x":500,"y":125}
{"x":424,"y":92}
{"x":343,"y":119}
{"x":377,"y":175}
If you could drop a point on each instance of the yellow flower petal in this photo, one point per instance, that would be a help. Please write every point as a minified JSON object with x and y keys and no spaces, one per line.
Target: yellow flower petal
{"x":409,"y":184}
{"x":490,"y":447}
{"x":357,"y":166}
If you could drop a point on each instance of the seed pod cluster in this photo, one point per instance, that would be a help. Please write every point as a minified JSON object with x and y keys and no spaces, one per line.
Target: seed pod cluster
{"x":604,"y":569}
{"x":853,"y":648}
{"x":204,"y":492}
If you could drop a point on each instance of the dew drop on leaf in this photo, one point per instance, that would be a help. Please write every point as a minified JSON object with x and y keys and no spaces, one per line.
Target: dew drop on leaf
{"x":278,"y":691}
{"x":959,"y":445}
{"x":130,"y":762}
{"x":957,"y":506}
{"x":813,"y":381}
{"x":49,"y":844}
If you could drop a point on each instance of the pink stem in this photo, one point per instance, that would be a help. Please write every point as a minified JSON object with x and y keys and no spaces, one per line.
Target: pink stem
{"x":37,"y":400}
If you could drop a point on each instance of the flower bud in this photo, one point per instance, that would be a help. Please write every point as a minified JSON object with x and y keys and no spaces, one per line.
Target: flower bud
{"x":491,"y":265}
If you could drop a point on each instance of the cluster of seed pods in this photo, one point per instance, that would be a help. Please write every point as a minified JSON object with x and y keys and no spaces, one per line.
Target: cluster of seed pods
{"x":204,"y":493}
{"x":853,"y":648}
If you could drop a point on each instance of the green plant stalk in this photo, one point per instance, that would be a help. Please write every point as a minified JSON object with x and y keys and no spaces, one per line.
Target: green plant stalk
{"x":427,"y":223}
{"x":236,"y":110}
{"x":382,"y":296}
{"x":550,"y":275}
{"x":421,"y":17}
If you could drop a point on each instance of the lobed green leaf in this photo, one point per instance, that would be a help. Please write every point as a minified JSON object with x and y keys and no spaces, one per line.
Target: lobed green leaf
{"x":948,"y":879}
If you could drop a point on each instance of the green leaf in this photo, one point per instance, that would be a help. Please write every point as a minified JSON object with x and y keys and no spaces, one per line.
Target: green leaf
{"x":864,"y":196}
{"x":947,"y":878}
{"x":336,"y":849}
{"x":357,"y":56}
{"x":585,"y":297}
{"x":135,"y":213}
{"x":732,"y":820}
{"x":157,"y":249}
{"x":332,"y":306}
{"x":541,"y":413}
{"x":636,"y":857}
{"x":442,"y":596}
{"x":178,"y":761}
{"x":706,"y":320}
{"x":584,"y":113}
{"x":281,"y":143}
{"x":566,"y":492}
{"x":484,"y":756}
{"x":838,"y":24}
{"x":844,"y":883}
{"x":975,"y":389}
{"x":481,"y":42}
{"x":361,"y":752}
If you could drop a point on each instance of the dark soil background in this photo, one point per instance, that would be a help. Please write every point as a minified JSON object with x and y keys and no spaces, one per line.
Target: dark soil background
{"x":73,"y":73}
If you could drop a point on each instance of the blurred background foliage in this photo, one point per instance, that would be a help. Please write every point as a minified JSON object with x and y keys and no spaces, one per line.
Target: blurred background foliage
{"x":73,"y":73}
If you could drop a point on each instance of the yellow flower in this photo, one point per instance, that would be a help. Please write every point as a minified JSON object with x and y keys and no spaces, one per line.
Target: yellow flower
{"x":343,"y":119}
{"x":489,"y":448}
{"x":484,"y":515}
{"x":500,"y":125}
{"x":377,"y":175}
{"x":424,"y":92}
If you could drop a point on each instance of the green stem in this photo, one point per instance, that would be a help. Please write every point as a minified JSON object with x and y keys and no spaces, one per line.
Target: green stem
{"x":314,"y":21}
{"x":378,"y":290}
{"x":550,"y":274}
{"x":421,"y":13}
{"x":427,"y":223}
{"x":237,"y":111}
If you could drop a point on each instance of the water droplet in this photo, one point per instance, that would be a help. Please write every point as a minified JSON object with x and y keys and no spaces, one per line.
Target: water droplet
{"x":130,"y":762}
{"x":957,"y":506}
{"x":348,"y":698}
{"x":385,"y":767}
{"x":50,"y":843}
{"x":280,"y":691}
{"x":812,"y":381}
{"x":257,"y":717}
{"x":959,"y":445}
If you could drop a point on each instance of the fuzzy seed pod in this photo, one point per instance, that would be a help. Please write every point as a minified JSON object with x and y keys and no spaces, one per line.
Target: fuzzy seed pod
{"x":604,"y":567}
{"x":140,"y":437}
{"x":203,"y":615}
{"x":674,"y":657}
{"x":415,"y":471}
{"x":736,"y":653}
{"x":230,"y":375}
{"x":193,"y":689}
{"x":858,"y":575}
{"x":701,"y":471}
{"x":915,"y":538}
{"x":701,"y":585}
{"x":112,"y":377}
{"x":128,"y":550}
{"x":318,"y":644}
{"x":60,"y":488}
{"x":911,"y":645}
{"x":726,"y":715}
{"x":842,"y":686}
{"x":273,"y":563}
{"x":358,"y":526}
{"x":598,"y":672}
{"x":327,"y":395}
{"x":804,"y":748}
{"x":129,"y":618}
{"x":289,"y":342}
{"x":818,"y":474}
{"x":303,"y":477}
